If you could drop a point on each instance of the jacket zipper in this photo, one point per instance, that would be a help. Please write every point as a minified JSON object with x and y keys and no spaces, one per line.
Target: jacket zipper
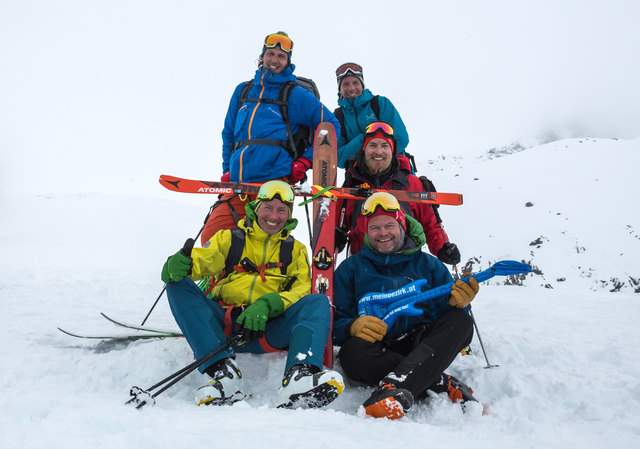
{"x":253,"y":113}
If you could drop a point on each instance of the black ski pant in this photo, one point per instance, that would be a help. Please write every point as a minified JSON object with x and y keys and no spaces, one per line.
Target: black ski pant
{"x":416,"y":362}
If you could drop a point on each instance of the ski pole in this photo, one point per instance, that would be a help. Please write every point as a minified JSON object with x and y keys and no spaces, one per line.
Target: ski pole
{"x":185,"y":251}
{"x":142,"y":397}
{"x":299,"y":186}
{"x":480,"y":340}
{"x":475,"y":325}
{"x":306,"y":208}
{"x":164,"y":288}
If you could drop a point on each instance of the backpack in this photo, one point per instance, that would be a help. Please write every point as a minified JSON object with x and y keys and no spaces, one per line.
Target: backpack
{"x":429,"y":187}
{"x":295,"y":144}
{"x":233,"y":262}
{"x":375,"y":107}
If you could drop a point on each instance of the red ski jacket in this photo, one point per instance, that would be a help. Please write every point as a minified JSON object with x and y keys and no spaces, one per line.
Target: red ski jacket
{"x":349,"y":217}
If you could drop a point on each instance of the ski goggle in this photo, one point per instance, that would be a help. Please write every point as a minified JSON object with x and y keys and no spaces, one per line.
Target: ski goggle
{"x":272,"y":188}
{"x":373,"y":128}
{"x":380,"y":199}
{"x":285,"y":43}
{"x":348,"y":69}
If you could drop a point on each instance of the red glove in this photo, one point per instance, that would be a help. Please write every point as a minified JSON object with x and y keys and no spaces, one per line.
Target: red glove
{"x":226,"y":177}
{"x":299,"y":168}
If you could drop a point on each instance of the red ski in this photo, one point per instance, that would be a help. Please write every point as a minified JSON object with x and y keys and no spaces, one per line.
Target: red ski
{"x":184,"y":185}
{"x":325,"y":172}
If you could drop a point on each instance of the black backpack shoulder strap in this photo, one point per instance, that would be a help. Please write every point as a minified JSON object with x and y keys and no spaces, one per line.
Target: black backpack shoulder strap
{"x":283,"y":99}
{"x":375,"y":106}
{"x":245,"y":92}
{"x":286,"y":253}
{"x":339,"y":114}
{"x":283,"y":103}
{"x":430,"y":187}
{"x":235,"y":251}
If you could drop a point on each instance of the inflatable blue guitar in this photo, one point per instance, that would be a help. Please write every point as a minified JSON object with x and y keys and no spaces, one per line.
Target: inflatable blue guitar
{"x":401,"y":302}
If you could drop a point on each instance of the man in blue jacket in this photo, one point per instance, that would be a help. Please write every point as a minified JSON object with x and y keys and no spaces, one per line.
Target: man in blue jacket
{"x":255,"y":139}
{"x":358,"y":107}
{"x":409,"y":358}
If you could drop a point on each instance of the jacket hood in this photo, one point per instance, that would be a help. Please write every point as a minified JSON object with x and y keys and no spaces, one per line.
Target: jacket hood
{"x":251,"y":221}
{"x":350,"y":104}
{"x":267,"y":76}
{"x":414,"y":239}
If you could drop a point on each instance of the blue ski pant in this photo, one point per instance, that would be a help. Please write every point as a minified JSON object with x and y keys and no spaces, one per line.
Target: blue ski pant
{"x":303,"y":328}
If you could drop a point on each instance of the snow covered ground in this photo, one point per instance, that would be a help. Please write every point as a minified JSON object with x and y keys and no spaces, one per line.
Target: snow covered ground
{"x":516,"y":105}
{"x":569,"y":365}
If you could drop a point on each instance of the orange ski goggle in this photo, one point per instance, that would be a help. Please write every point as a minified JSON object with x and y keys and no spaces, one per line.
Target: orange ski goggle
{"x":277,"y":39}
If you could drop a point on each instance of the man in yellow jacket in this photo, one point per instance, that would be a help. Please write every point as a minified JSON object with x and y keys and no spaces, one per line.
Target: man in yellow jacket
{"x":265,"y":297}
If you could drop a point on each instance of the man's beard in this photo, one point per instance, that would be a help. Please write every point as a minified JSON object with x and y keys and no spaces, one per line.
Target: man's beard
{"x":377,"y":169}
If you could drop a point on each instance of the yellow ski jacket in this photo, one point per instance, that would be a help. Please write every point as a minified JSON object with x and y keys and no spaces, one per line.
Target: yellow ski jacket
{"x":243,"y":288}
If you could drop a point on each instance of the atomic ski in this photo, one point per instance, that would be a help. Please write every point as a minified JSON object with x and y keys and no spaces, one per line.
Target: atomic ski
{"x":325,"y":171}
{"x":184,"y":185}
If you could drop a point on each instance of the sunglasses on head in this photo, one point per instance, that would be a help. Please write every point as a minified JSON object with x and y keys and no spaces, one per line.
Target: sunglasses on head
{"x":277,"y":39}
{"x":380,"y":199}
{"x":272,"y":188}
{"x":348,"y":69}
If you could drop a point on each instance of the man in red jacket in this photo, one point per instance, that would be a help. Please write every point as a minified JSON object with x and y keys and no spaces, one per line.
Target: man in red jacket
{"x":377,"y":166}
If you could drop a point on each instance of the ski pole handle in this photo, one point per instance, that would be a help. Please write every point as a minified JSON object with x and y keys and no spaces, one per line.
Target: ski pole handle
{"x":188,"y":246}
{"x":186,"y":250}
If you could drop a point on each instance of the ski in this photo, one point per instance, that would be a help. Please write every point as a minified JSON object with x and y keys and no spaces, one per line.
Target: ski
{"x":139,"y":328}
{"x":325,"y":170}
{"x":184,"y":185}
{"x":121,"y":337}
{"x":151,"y":333}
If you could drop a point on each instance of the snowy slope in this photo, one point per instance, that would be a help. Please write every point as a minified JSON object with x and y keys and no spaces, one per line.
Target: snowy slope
{"x":569,"y":366}
{"x":571,"y":208}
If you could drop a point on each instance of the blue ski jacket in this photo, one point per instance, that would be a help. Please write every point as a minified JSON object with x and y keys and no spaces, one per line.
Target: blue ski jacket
{"x":258,"y":120}
{"x":357,"y":115}
{"x":370,"y":271}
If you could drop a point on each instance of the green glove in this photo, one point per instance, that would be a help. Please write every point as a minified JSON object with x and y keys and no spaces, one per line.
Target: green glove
{"x":252,"y":321}
{"x":176,"y":268}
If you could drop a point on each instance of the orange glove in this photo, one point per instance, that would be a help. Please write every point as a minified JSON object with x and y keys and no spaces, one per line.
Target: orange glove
{"x":462,"y":293}
{"x":369,"y":328}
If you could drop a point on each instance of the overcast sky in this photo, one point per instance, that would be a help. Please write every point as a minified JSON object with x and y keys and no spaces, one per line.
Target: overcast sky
{"x":105,"y":96}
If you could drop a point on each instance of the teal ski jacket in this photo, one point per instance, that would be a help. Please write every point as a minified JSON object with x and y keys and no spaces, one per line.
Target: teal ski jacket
{"x":370,"y":271}
{"x":358,"y":113}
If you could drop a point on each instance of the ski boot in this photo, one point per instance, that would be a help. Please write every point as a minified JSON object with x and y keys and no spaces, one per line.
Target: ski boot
{"x":308,"y":387}
{"x":387,"y":401}
{"x":226,"y":386}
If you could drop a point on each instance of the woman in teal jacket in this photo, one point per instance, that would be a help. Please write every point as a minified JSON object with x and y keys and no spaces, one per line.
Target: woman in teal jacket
{"x":358,"y":108}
